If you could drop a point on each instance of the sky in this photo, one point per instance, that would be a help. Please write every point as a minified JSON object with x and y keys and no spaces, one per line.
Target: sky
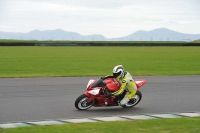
{"x":110,"y":18}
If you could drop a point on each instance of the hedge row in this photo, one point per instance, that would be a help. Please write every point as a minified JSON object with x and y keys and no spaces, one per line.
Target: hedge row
{"x":101,"y":44}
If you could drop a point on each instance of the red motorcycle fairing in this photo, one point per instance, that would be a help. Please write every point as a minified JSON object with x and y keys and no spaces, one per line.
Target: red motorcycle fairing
{"x":101,"y":100}
{"x":96,"y":94}
{"x":112,"y":84}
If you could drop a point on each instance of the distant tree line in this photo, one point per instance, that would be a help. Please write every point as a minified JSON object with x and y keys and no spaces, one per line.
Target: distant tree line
{"x":96,"y":43}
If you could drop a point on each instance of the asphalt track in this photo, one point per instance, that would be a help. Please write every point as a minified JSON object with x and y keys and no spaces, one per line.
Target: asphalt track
{"x":33,"y":99}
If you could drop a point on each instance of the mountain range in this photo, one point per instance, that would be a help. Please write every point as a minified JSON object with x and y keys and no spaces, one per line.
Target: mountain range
{"x":160,"y":34}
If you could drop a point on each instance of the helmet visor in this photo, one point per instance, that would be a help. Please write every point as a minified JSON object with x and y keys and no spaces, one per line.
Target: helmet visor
{"x":116,"y":74}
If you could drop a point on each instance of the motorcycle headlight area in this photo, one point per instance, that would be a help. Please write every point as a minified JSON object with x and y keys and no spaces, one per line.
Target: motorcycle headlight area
{"x":95,"y":91}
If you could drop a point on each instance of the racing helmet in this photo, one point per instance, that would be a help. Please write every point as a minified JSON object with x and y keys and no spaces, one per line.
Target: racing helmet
{"x":118,"y":72}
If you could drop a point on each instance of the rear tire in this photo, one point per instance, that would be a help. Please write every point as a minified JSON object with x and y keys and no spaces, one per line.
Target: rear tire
{"x":82,"y":103}
{"x":134,"y":100}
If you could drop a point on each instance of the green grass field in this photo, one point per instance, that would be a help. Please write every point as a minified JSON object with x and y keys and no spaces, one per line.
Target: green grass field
{"x":97,"y":61}
{"x":183,"y":125}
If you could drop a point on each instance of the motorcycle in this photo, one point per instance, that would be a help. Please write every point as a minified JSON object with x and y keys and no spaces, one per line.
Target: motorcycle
{"x":97,"y":90}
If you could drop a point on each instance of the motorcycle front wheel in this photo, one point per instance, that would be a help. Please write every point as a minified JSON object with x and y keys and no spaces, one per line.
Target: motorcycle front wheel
{"x":134,"y":100}
{"x":82,"y":103}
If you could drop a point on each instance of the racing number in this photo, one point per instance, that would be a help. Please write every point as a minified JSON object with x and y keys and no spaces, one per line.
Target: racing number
{"x":123,"y":81}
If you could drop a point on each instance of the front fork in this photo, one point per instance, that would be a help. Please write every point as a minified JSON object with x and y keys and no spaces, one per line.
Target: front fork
{"x":90,"y":97}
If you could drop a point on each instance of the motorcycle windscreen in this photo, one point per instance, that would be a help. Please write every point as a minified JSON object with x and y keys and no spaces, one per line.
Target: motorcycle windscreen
{"x":98,"y":83}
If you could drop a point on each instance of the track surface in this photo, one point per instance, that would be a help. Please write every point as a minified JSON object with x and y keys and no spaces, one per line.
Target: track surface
{"x":32,"y":99}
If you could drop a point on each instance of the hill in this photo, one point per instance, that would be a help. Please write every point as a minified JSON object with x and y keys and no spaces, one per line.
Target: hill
{"x":160,"y":34}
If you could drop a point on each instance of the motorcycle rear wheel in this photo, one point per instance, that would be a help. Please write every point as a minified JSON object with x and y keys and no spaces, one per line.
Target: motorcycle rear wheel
{"x":82,"y":103}
{"x":134,"y":100}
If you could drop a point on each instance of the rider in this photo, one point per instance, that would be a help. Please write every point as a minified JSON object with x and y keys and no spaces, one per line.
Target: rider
{"x":127,"y":83}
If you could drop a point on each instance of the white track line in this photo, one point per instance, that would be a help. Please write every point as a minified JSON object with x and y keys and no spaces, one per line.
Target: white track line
{"x":100,"y":119}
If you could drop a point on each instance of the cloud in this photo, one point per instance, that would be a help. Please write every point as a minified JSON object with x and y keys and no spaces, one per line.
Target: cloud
{"x":110,"y":18}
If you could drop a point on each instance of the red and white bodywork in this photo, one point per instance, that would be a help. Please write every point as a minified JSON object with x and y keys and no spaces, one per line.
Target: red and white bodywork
{"x":95,"y":94}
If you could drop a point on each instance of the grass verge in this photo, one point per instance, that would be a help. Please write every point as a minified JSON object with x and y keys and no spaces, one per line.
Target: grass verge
{"x":95,"y":61}
{"x":180,"y":125}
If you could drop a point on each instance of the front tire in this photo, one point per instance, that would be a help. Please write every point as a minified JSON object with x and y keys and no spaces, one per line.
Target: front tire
{"x":134,"y":100}
{"x":82,"y":103}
